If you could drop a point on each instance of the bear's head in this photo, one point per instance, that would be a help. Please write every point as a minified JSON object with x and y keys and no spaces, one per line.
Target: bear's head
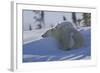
{"x":48,"y":33}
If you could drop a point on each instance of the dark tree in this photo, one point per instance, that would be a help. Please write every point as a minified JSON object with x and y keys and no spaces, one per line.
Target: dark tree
{"x":42,"y":15}
{"x":30,"y":27}
{"x":39,"y":19}
{"x":42,"y":18}
{"x":79,"y":21}
{"x":74,"y":17}
{"x":39,"y":26}
{"x":87,"y":19}
{"x":64,"y":18}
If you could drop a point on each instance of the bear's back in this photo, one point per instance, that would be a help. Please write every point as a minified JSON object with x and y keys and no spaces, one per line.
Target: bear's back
{"x":64,"y":25}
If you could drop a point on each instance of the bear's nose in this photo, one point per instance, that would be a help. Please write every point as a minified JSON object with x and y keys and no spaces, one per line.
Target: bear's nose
{"x":43,"y":36}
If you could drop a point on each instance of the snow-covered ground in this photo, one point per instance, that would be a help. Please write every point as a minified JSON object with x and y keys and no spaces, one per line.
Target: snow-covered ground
{"x":37,"y":49}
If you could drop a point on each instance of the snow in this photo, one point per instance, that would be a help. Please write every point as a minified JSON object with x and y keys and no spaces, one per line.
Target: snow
{"x":33,"y":35}
{"x":76,"y":57}
{"x":65,"y":57}
{"x":38,"y":49}
{"x":31,"y":56}
{"x":83,"y":28}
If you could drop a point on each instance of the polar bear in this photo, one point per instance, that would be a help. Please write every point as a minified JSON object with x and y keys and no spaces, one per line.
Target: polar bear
{"x":67,"y":36}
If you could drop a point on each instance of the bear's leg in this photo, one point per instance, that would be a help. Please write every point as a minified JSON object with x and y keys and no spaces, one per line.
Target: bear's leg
{"x":78,"y":39}
{"x":65,"y":40}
